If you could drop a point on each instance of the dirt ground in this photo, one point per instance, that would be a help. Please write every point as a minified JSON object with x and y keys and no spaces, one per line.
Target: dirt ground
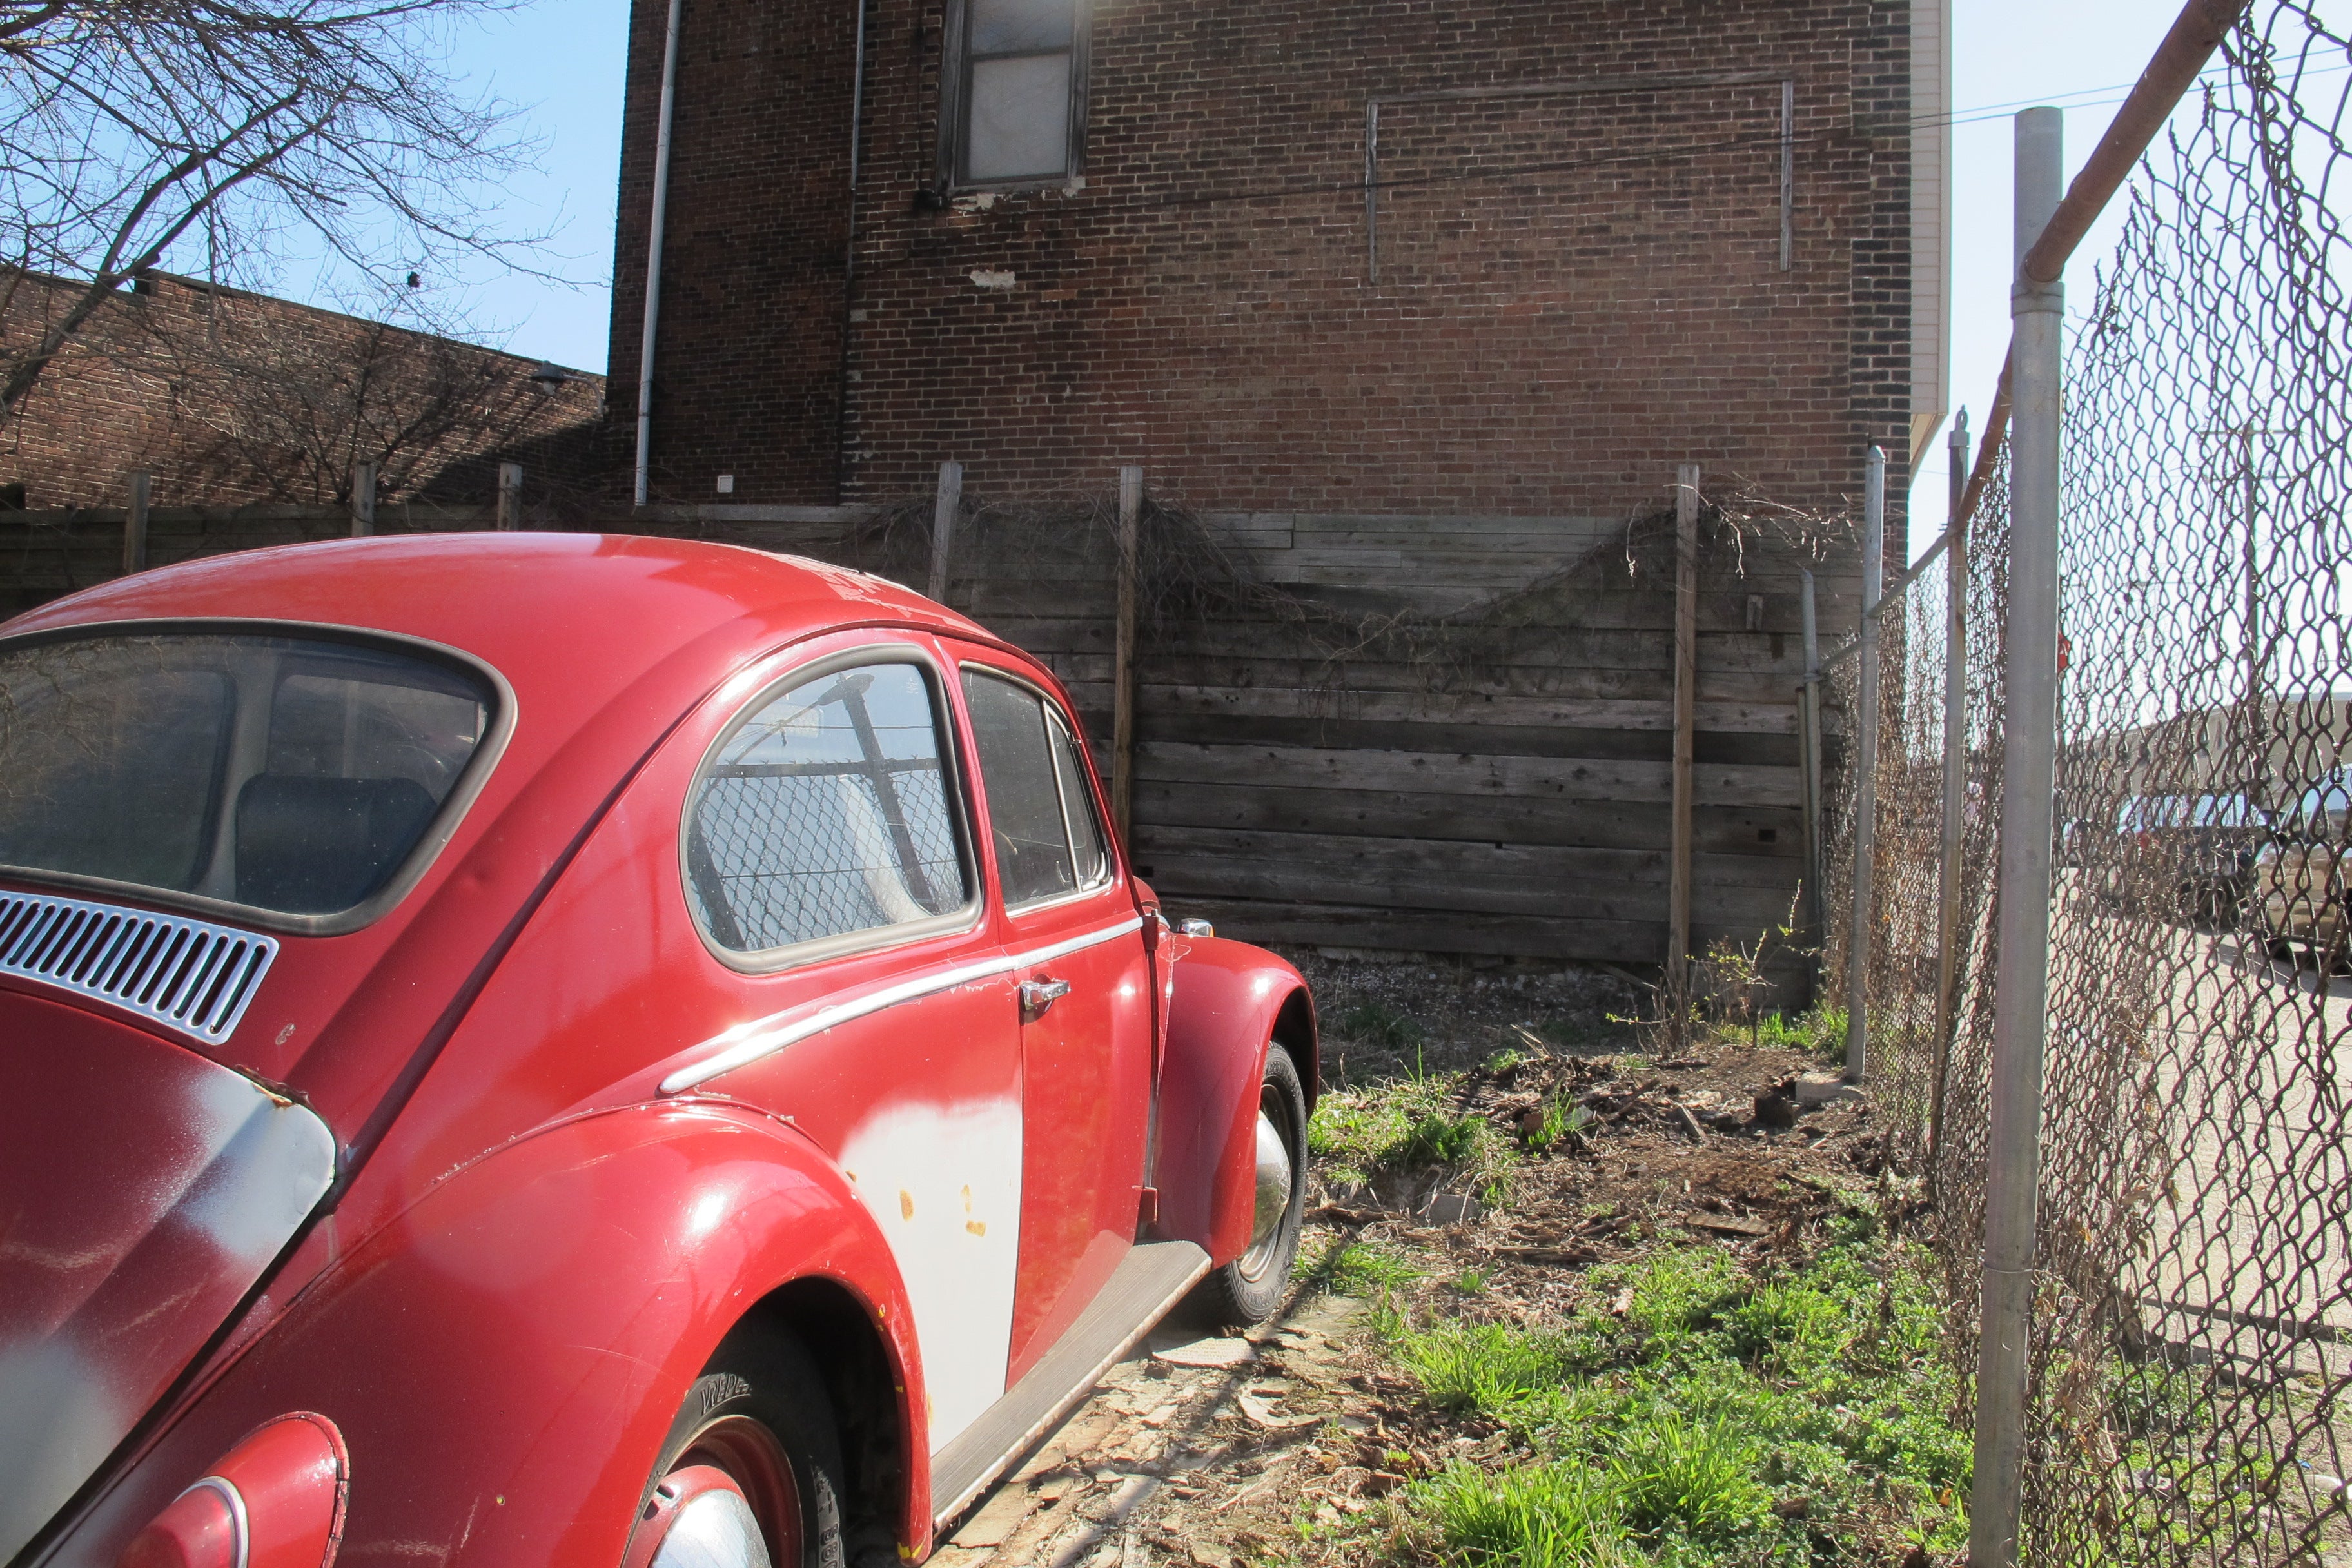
{"x":1281,"y":1444}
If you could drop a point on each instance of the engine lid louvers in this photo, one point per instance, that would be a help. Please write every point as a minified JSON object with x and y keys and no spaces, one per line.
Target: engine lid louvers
{"x":186,"y":975}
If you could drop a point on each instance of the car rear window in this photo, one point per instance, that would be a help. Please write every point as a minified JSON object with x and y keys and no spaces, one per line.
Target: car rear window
{"x":291,"y":775}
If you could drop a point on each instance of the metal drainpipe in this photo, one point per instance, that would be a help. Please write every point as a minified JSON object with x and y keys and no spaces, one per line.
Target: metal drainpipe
{"x":654,"y":254}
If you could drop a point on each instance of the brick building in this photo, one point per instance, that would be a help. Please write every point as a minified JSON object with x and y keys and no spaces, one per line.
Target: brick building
{"x":1497,"y":257}
{"x":1416,"y":306}
{"x":230,"y":398}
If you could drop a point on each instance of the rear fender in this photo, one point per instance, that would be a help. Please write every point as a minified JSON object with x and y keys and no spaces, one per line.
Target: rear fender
{"x":505,"y":1357}
{"x":1230,"y":1001}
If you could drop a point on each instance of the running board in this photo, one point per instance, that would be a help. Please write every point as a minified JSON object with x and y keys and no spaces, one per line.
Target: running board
{"x":1149,"y":1281}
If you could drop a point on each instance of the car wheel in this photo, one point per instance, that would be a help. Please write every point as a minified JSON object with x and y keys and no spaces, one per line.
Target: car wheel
{"x":1249,"y":1288}
{"x":750,"y":1474}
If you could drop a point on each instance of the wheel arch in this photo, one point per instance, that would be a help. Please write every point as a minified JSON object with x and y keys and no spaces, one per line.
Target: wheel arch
{"x":1231,"y":1003}
{"x":1294,"y":1031}
{"x":504,"y":1356}
{"x":867,"y":1389}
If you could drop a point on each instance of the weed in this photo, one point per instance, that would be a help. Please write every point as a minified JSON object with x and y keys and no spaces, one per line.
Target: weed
{"x":1359,"y":1268}
{"x":1563,"y":1124}
{"x":1442,"y":1140}
{"x":1538,"y":1516}
{"x":1694,"y":1475}
{"x":1485,"y":1367}
{"x":1733,"y":974}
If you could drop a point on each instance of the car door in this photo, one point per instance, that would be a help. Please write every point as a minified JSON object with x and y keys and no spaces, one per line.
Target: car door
{"x":826,"y":856}
{"x":1076,"y":942}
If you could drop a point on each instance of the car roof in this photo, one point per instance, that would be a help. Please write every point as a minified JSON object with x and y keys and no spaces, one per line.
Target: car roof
{"x":580,"y":612}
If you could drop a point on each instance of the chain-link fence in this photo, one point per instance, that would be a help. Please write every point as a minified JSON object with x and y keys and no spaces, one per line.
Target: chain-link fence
{"x":2190,"y":1346}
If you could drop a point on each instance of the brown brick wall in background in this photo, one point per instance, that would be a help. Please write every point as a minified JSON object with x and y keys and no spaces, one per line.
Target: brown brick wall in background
{"x":1575,"y":291}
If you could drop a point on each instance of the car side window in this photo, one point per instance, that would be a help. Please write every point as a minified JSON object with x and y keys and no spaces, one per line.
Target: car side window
{"x":824,"y":812}
{"x":1048,"y":842}
{"x":1078,"y":804}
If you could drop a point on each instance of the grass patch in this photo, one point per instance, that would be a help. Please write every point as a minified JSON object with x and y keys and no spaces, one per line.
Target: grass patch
{"x":1403,"y":1126}
{"x":1347,"y":1267}
{"x":1693,"y":1414}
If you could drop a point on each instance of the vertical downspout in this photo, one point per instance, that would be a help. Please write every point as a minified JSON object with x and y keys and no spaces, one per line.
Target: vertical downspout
{"x":850,"y":259}
{"x":654,"y":254}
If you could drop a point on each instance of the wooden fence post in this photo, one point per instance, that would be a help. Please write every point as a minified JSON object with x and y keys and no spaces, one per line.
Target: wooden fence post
{"x":1122,"y":722}
{"x":134,"y":525}
{"x":509,"y":497}
{"x":363,"y":499}
{"x":943,"y":521}
{"x":1678,"y":891}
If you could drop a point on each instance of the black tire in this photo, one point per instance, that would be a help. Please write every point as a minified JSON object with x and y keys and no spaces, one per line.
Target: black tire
{"x":771,"y":1381}
{"x":1251,"y":1287}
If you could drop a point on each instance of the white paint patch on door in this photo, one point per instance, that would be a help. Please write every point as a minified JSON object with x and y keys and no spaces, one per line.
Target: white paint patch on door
{"x":944,"y":1183}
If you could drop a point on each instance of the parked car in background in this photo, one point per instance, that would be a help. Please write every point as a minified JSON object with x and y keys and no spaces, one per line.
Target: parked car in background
{"x":2194,"y":853}
{"x":539,"y":1048}
{"x":2298,"y":885}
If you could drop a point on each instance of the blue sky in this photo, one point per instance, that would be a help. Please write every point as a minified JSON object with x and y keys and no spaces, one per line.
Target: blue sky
{"x":564,"y":57}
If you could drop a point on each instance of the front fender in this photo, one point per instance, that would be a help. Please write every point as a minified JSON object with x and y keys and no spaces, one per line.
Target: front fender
{"x":505,"y":1357}
{"x":1228,"y":1000}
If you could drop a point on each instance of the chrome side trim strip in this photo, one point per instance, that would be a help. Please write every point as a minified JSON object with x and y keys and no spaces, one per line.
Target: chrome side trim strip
{"x":1077,"y":943}
{"x":189,"y":975}
{"x":747,"y":1043}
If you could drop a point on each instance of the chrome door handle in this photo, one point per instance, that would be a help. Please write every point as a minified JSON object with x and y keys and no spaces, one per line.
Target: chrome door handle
{"x":1036,"y":995}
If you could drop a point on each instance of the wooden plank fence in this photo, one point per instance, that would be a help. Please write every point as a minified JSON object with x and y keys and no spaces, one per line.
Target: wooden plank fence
{"x":1514,"y":804}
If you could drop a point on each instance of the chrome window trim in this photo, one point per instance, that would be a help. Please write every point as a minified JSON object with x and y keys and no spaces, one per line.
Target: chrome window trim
{"x":496,"y":732}
{"x":1111,"y":865}
{"x":965,"y":917}
{"x":762,"y":1037}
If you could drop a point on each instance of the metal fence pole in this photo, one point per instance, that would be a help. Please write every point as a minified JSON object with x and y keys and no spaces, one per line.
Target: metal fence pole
{"x":1865,"y":764}
{"x":1956,"y":774}
{"x":1809,"y":764}
{"x":2029,"y":760}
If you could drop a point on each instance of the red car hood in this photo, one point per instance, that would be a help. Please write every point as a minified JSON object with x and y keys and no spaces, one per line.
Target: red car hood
{"x":144,"y":1191}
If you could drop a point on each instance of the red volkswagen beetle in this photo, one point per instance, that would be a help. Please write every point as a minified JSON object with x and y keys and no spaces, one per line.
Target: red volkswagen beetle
{"x":555,"y":1049}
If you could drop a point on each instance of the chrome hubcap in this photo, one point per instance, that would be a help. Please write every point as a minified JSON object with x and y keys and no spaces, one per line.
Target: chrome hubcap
{"x":715,"y":1529}
{"x":1274,"y":1177}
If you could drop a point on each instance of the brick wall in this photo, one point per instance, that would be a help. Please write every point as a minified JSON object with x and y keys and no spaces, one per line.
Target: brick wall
{"x":227,"y":398}
{"x":1574,"y":293}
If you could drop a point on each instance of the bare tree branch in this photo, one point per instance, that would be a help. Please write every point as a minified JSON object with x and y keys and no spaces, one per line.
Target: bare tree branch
{"x":328,"y":130}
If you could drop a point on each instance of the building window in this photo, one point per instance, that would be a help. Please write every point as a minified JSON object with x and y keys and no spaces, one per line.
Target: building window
{"x":1015,"y":100}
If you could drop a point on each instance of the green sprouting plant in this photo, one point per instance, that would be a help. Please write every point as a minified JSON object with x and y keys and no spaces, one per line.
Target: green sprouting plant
{"x":1562,"y":1124}
{"x":1350,"y":1267}
{"x":1483,"y":1366}
{"x":1696,"y":1475}
{"x":1442,"y":1140}
{"x":1534,"y":1516}
{"x":1733,"y":972}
